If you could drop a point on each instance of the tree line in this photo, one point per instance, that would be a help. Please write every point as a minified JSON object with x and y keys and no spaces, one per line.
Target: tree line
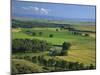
{"x":34,"y":45}
{"x":35,"y":33}
{"x":29,"y":45}
{"x":56,"y":64}
{"x":30,"y":24}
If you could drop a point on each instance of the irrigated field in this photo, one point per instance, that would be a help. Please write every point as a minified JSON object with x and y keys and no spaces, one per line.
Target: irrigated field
{"x":82,"y":47}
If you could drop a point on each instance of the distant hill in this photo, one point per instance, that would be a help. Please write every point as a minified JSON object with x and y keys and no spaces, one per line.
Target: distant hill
{"x":51,"y":18}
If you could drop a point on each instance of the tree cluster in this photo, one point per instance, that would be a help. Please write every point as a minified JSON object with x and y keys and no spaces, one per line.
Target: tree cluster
{"x":58,"y":64}
{"x":28,"y":45}
{"x":65,"y":48}
{"x":30,"y":24}
{"x":79,"y":33}
{"x":61,"y":52}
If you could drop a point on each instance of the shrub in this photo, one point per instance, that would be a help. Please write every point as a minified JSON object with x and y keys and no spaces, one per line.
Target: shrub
{"x":33,"y":33}
{"x":51,"y":35}
{"x":40,"y":33}
{"x":57,"y":30}
{"x":86,"y":34}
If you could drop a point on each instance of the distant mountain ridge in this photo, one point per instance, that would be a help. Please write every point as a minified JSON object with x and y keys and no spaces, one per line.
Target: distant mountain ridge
{"x":34,"y":16}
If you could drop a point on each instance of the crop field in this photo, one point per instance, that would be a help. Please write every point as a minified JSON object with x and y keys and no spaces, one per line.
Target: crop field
{"x":82,"y":47}
{"x":86,"y":27}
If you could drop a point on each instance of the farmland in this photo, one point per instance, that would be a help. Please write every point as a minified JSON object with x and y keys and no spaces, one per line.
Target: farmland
{"x":81,"y":47}
{"x":52,"y":37}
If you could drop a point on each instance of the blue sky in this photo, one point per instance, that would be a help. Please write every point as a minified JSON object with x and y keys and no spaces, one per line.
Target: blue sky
{"x":51,"y":9}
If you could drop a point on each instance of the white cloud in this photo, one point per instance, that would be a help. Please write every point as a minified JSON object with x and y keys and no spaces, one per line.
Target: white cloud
{"x":44,"y":11}
{"x":25,"y":8}
{"x":37,"y":9}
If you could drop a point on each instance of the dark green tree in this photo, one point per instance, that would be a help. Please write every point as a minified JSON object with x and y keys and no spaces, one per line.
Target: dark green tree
{"x":91,"y":66}
{"x":51,"y":35}
{"x":34,"y":59}
{"x":40,"y":33}
{"x":65,"y":47}
{"x":28,"y":45}
{"x":33,"y":33}
{"x":57,"y":29}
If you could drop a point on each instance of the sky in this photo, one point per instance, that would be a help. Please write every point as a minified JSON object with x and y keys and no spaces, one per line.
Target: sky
{"x":52,"y":9}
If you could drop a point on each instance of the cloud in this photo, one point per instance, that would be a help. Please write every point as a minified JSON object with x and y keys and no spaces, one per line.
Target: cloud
{"x":25,"y":8}
{"x":44,"y":11}
{"x":37,"y":10}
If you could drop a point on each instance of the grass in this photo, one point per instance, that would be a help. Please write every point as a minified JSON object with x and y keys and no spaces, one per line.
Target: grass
{"x":85,"y":56}
{"x":86,"y":27}
{"x":21,"y":63}
{"x":82,"y":48}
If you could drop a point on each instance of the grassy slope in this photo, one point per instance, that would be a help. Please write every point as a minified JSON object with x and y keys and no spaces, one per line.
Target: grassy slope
{"x":24,"y":64}
{"x":82,"y":47}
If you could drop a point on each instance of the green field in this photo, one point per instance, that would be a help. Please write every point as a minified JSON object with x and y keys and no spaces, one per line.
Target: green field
{"x":82,"y":48}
